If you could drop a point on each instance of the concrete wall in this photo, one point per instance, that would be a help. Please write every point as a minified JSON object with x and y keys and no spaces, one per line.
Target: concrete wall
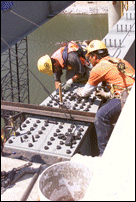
{"x":114,"y":176}
{"x":130,"y":56}
{"x":120,"y":41}
{"x":114,"y":173}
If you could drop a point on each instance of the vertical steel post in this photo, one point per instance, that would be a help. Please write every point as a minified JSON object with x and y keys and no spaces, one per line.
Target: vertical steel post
{"x":17,"y":68}
{"x":27,"y":71}
{"x":14,"y":76}
{"x":11,"y":79}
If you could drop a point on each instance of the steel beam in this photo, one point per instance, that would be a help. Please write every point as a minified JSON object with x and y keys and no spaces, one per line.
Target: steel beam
{"x":61,"y":112}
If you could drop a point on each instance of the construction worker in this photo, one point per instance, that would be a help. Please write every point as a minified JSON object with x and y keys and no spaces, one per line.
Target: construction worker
{"x":70,"y":57}
{"x":118,"y":76}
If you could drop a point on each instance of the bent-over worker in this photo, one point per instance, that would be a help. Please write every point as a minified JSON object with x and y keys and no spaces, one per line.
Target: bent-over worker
{"x":70,"y":57}
{"x":119,"y":76}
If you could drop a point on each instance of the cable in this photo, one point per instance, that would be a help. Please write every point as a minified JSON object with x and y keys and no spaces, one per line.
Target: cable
{"x":28,"y":68}
{"x":31,"y":71}
{"x":28,"y":20}
{"x":52,"y":97}
{"x":45,"y":89}
{"x":24,"y":18}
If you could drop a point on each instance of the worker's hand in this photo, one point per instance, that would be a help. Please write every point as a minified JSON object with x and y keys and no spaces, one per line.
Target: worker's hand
{"x":67,"y":85}
{"x":79,"y":90}
{"x":103,"y":94}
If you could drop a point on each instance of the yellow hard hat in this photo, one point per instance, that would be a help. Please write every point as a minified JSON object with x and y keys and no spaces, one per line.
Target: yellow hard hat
{"x":45,"y":65}
{"x":95,"y":45}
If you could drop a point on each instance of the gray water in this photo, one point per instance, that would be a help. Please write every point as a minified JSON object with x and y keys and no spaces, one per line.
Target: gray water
{"x":44,"y":40}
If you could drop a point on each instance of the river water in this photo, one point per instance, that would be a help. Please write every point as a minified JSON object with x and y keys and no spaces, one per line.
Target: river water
{"x":45,"y":40}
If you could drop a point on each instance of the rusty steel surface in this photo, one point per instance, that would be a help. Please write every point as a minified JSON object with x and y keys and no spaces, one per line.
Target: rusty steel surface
{"x":48,"y":111}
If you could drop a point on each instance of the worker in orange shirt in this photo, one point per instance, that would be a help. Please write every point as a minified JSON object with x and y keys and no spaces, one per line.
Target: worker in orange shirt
{"x":118,"y":76}
{"x":70,"y":57}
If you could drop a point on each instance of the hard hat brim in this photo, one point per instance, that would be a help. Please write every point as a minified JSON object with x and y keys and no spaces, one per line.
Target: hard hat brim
{"x":96,"y":45}
{"x":45,"y":65}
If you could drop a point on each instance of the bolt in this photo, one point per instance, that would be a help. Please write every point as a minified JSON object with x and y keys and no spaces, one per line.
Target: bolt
{"x":120,"y":42}
{"x":117,"y":30}
{"x":21,"y":139}
{"x":115,"y":42}
{"x":105,"y":42}
{"x":30,"y":145}
{"x":110,"y":42}
{"x":121,"y":28}
{"x":33,"y":139}
{"x":126,"y":16}
{"x":126,"y":27}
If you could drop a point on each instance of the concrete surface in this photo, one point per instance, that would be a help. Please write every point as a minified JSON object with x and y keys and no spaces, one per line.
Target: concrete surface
{"x":113,"y":173}
{"x":16,"y":191}
{"x":114,"y":177}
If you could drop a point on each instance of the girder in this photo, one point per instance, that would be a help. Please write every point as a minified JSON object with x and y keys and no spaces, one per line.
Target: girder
{"x":25,"y":16}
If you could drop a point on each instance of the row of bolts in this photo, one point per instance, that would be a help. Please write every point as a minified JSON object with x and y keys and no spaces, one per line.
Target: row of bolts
{"x":121,"y":30}
{"x":115,"y":41}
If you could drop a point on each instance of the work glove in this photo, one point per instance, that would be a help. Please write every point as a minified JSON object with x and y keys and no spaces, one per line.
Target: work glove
{"x":79,"y":91}
{"x":102,"y":94}
{"x":67,"y":85}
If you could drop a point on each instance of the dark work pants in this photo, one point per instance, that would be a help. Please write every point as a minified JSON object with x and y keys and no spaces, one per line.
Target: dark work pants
{"x":105,"y":117}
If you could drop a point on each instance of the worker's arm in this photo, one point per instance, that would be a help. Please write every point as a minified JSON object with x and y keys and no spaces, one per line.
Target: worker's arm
{"x":57,"y":71}
{"x":69,"y":82}
{"x":86,"y":90}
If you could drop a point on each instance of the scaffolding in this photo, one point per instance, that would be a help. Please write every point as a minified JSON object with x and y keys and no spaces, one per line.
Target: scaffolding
{"x":14,"y":76}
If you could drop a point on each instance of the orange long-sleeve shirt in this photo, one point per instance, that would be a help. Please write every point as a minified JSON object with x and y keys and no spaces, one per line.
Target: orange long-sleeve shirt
{"x":108,"y":72}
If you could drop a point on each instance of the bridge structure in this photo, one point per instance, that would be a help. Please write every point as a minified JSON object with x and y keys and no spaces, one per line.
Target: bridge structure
{"x":49,"y":135}
{"x":20,"y":19}
{"x":121,"y":43}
